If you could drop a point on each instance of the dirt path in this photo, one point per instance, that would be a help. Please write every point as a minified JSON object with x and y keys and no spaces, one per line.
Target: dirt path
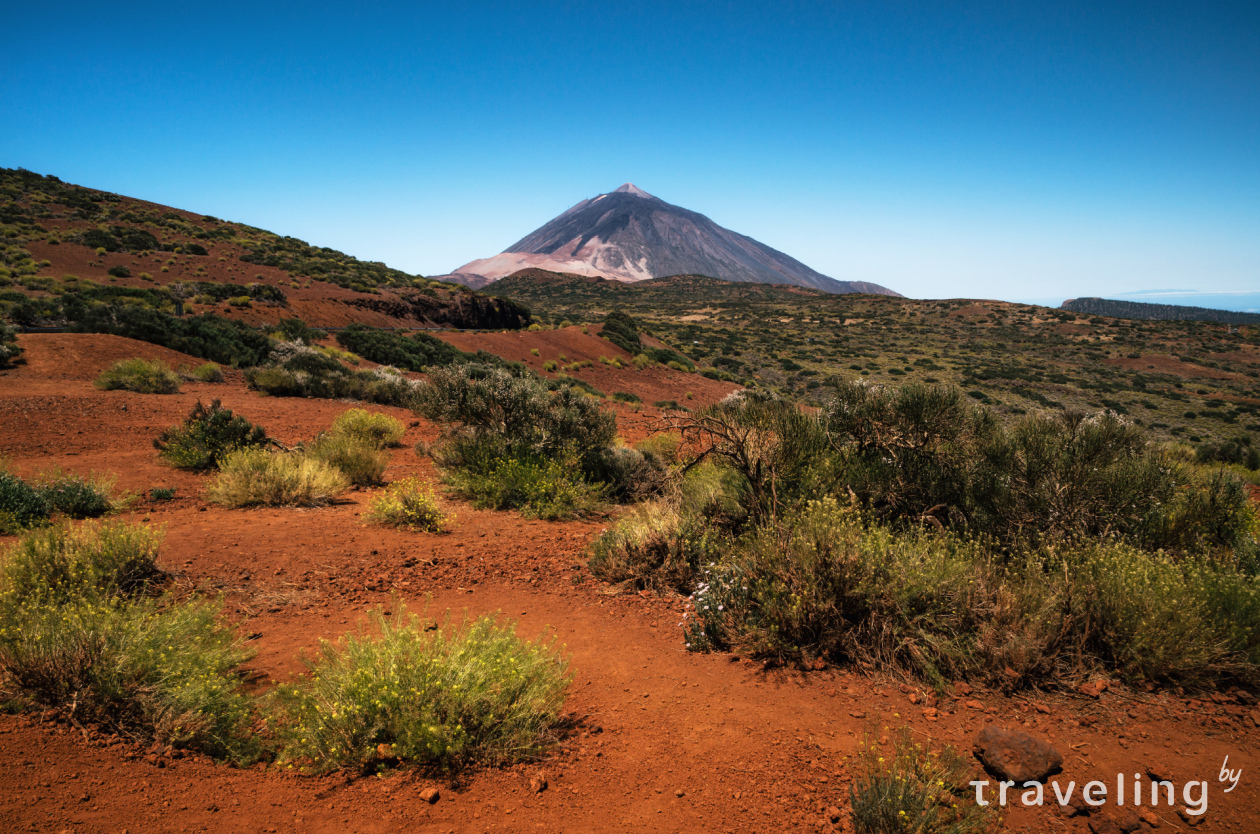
{"x":660,"y":739}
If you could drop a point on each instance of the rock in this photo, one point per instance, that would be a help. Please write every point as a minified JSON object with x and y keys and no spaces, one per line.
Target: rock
{"x":1149,"y":817}
{"x":913,"y":697}
{"x":930,"y":713}
{"x":1041,"y":708}
{"x":538,"y":783}
{"x":1127,"y":821}
{"x":1255,"y":717}
{"x":974,"y":704}
{"x":430,"y":795}
{"x":1017,"y":756}
{"x":962,"y":688}
{"x":1190,"y":819}
{"x":833,"y":814}
{"x":1093,"y":689}
{"x":1103,"y":826}
{"x":680,"y":793}
{"x":1075,"y":807}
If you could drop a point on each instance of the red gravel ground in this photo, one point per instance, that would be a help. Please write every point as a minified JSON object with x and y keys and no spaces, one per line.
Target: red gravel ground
{"x":658,"y":739}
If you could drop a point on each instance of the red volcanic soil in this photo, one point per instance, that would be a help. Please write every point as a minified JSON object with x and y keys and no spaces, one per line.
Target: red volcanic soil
{"x":1171,"y":365}
{"x":658,"y":739}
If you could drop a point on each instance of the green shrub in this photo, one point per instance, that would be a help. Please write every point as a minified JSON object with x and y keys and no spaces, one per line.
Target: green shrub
{"x":206,"y":436}
{"x":209,"y":372}
{"x":448,"y":697}
{"x":379,"y":430}
{"x":538,"y":487}
{"x":254,"y":476}
{"x":239,"y":301}
{"x":361,"y":461}
{"x":139,"y":375}
{"x":411,"y":504}
{"x":626,"y":397}
{"x":903,"y":787}
{"x":622,"y":331}
{"x":296,"y":330}
{"x":75,"y":496}
{"x":21,"y":505}
{"x":828,"y":583}
{"x":519,"y":412}
{"x":120,"y":271}
{"x":413,"y":353}
{"x":550,"y":366}
{"x":206,"y":336}
{"x":162,"y":493}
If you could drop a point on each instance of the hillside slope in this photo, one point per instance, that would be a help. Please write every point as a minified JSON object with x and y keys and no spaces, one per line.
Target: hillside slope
{"x":60,"y":239}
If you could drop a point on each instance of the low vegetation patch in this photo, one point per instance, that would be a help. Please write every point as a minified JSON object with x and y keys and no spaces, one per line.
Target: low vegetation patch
{"x":410,"y":504}
{"x":457,"y":695}
{"x":55,"y":493}
{"x":254,"y":476}
{"x":140,"y":375}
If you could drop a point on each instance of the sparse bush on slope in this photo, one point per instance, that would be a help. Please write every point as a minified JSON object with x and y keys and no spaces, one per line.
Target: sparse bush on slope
{"x":139,"y":375}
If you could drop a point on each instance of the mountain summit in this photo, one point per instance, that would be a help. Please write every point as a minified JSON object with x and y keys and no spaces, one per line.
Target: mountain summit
{"x":629,"y":235}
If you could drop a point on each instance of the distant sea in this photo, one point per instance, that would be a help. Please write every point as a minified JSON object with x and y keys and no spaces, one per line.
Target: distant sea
{"x":1239,"y":302}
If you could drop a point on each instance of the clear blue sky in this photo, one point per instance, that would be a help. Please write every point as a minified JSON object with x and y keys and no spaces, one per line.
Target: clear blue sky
{"x":1002,"y":150}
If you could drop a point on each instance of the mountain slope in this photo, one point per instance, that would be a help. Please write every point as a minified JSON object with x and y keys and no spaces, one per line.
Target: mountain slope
{"x":629,"y":235}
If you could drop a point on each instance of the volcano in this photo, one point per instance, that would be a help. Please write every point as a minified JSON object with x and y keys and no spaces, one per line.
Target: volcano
{"x":629,"y":235}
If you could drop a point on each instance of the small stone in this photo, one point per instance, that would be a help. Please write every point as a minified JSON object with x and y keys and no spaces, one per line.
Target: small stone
{"x":1255,"y":717}
{"x":1127,"y":821}
{"x":974,"y":704}
{"x":538,"y":783}
{"x":1189,"y":818}
{"x":833,"y":814}
{"x":1093,"y":689}
{"x":430,"y":795}
{"x":962,"y":688}
{"x":913,"y":697}
{"x":1103,"y":826}
{"x":1015,"y":755}
{"x":1041,"y":708}
{"x":858,"y":714}
{"x":1149,"y":817}
{"x":930,"y":713}
{"x":680,"y":793}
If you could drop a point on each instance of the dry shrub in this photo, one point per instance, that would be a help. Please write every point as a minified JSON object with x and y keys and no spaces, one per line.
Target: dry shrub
{"x":251,"y":477}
